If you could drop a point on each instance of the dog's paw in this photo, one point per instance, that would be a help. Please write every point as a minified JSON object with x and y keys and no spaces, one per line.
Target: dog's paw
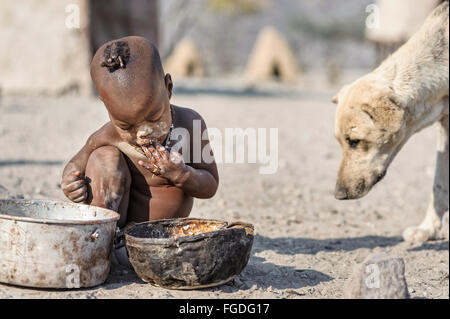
{"x":443,"y":233}
{"x":418,"y":235}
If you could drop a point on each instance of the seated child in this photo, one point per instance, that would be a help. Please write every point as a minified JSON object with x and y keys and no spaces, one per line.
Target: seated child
{"x":128,"y":165}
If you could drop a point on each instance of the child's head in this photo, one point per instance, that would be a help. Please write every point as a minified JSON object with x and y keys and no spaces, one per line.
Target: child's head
{"x":130,"y":80}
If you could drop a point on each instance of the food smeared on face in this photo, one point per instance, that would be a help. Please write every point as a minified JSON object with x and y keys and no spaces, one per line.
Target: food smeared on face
{"x":147,"y":132}
{"x":135,"y":91}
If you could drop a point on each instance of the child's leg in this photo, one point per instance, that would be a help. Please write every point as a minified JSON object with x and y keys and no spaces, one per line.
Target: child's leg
{"x":109,"y":187}
{"x":109,"y":181}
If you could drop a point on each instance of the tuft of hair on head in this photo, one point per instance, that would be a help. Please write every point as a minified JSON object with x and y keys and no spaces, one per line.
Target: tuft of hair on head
{"x":116,"y":56}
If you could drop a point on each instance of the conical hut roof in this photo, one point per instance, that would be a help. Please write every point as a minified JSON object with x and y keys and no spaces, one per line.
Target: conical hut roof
{"x":399,"y":19}
{"x":271,"y":57}
{"x":185,"y":60}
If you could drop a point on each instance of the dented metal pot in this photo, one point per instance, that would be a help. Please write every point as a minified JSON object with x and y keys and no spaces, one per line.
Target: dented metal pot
{"x":189,"y":253}
{"x":53,"y":244}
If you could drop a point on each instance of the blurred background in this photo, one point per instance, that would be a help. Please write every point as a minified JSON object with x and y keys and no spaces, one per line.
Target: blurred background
{"x":47,"y":44}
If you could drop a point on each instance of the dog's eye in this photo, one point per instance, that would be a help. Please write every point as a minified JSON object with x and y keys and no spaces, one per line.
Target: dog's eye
{"x":353,"y":143}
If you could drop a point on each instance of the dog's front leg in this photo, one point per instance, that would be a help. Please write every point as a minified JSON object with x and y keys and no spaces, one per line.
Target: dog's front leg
{"x":429,"y":228}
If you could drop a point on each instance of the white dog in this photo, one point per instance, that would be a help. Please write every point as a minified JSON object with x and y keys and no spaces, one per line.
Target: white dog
{"x":380,"y":111}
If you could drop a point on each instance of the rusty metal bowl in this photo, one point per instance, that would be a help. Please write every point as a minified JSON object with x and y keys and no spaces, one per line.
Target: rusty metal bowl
{"x":55,"y":244}
{"x":189,"y":253}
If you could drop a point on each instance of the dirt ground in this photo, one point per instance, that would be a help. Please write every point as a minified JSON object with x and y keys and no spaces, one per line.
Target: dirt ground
{"x":306,"y":241}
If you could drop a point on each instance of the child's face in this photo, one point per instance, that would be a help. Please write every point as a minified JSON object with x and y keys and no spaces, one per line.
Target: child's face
{"x":151,"y":128}
{"x":144,"y":121}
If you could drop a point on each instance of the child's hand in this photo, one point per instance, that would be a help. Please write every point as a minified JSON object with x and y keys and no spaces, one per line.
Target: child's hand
{"x":74,"y":186}
{"x":163,"y":163}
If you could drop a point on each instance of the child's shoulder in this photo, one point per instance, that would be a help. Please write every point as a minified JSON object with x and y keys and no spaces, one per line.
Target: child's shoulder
{"x":186,"y":117}
{"x":186,"y":113}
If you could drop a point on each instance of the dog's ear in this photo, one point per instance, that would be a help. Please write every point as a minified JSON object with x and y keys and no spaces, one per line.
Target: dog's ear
{"x":386,"y":112}
{"x":335,"y":98}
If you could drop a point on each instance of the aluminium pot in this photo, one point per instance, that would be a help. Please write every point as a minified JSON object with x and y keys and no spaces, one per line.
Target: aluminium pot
{"x":55,"y":244}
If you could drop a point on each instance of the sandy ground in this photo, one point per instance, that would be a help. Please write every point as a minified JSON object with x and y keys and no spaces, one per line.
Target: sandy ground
{"x":306,"y":241}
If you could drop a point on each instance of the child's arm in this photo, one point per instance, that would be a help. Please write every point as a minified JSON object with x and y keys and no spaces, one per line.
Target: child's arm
{"x":198,"y":180}
{"x":73,"y":182}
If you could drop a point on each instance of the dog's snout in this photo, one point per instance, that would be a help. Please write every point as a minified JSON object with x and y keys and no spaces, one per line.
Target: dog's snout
{"x":340,"y":192}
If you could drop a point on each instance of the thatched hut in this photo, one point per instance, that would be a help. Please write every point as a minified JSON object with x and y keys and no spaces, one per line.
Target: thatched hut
{"x":271,"y":59}
{"x":185,"y":60}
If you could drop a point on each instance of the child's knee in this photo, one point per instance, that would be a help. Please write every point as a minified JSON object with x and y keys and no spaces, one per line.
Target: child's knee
{"x":109,"y":163}
{"x":104,"y":155}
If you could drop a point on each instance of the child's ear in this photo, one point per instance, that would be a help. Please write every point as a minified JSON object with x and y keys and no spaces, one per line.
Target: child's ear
{"x":169,"y":84}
